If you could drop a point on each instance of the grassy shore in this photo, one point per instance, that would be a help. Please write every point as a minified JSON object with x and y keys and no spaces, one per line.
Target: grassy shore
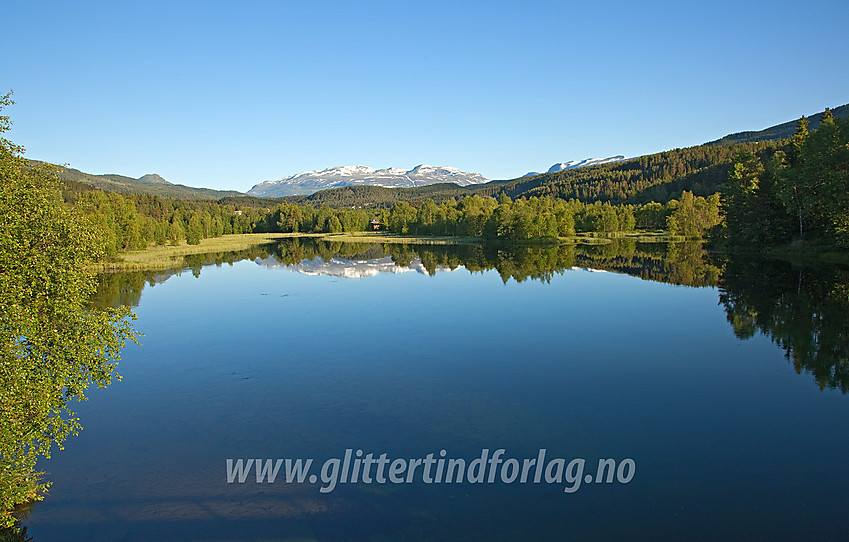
{"x":159,"y":257}
{"x":386,"y":237}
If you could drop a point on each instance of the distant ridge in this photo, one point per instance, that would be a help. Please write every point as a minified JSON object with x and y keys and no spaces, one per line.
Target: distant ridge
{"x":779,"y":131}
{"x":152,"y":178}
{"x":151,"y":183}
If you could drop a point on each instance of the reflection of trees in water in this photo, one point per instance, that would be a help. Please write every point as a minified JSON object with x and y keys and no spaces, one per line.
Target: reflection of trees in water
{"x":117,"y":288}
{"x":15,"y":534}
{"x":804,"y":311}
{"x":18,"y":533}
{"x":685,"y":264}
{"x":125,"y":287}
{"x":678,"y":263}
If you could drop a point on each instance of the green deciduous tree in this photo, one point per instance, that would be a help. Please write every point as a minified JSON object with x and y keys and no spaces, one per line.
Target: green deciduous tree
{"x":52,"y":347}
{"x":739,"y":197}
{"x":194,"y":231}
{"x":401,"y":217}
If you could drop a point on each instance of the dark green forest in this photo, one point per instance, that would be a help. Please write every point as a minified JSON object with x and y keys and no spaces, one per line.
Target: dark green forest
{"x":798,"y":194}
{"x":780,"y":131}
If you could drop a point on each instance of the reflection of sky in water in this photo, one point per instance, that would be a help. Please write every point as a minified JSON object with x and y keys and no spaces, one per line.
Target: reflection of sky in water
{"x":258,"y":362}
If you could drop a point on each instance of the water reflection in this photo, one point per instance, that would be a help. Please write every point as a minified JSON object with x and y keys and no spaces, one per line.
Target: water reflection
{"x":676,"y":263}
{"x":588,"y":364}
{"x":805,"y":311}
{"x":125,"y":287}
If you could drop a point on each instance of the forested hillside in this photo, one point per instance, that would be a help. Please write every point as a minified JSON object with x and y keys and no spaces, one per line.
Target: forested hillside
{"x":659,"y":177}
{"x":148,"y":184}
{"x":801,"y":192}
{"x":378,"y":196}
{"x":781,"y":131}
{"x":656,"y":177}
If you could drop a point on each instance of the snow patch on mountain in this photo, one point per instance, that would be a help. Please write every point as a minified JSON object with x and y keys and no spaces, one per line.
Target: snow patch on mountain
{"x":573,"y":164}
{"x":561,"y":166}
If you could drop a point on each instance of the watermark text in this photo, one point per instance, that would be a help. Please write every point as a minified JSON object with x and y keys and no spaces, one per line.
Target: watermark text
{"x":356,"y":467}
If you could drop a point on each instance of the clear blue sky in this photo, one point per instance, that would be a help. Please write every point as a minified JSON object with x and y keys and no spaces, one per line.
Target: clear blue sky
{"x":221,"y":95}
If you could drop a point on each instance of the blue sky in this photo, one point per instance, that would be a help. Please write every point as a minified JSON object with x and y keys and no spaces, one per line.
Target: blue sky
{"x":225,"y":95}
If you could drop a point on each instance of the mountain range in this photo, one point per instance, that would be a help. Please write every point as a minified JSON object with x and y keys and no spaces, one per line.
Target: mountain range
{"x":616,"y":177}
{"x":310,"y":182}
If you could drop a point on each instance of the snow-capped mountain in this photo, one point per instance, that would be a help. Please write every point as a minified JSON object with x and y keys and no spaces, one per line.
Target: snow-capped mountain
{"x":560,"y":166}
{"x":313,"y":181}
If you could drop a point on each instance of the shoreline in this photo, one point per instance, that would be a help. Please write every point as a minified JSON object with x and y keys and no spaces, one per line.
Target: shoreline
{"x":166,"y":257}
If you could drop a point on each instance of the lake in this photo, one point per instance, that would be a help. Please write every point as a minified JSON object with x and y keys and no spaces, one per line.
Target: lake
{"x":715,"y":386}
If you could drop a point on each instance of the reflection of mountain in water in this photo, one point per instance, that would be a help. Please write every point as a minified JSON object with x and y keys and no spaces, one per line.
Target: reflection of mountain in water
{"x":350,"y":269}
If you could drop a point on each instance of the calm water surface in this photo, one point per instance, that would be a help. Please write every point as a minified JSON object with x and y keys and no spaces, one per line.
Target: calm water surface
{"x":263,"y":358}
